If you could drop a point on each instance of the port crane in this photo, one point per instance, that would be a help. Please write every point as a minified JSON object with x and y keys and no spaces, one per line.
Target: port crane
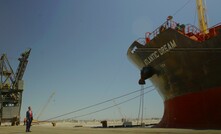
{"x":11,"y":88}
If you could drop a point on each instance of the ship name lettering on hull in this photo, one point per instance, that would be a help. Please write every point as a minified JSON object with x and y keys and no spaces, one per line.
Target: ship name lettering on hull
{"x":167,"y":47}
{"x":161,"y":51}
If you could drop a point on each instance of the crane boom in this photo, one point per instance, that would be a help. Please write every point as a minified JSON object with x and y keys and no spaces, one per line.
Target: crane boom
{"x":22,"y":66}
{"x":202,"y":18}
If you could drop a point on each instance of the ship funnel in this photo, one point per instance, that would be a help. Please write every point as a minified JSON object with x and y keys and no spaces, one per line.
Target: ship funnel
{"x":146,"y":73}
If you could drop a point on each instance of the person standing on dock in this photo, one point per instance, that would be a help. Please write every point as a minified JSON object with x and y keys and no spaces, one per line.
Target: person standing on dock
{"x":29,"y":118}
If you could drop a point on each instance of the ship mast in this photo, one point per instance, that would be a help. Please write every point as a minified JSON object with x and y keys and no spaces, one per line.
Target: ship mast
{"x":202,"y":19}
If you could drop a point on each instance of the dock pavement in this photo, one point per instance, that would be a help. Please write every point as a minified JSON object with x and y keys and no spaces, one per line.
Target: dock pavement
{"x":87,"y":130}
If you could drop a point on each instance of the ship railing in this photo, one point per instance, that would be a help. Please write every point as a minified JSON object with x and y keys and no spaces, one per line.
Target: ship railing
{"x":216,"y":26}
{"x":191,"y":29}
{"x":166,"y":25}
{"x":214,"y":30}
{"x":194,"y":33}
{"x":141,"y":41}
{"x":188,"y":30}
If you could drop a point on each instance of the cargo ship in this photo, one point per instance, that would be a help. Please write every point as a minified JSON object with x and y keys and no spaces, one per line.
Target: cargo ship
{"x":183,"y":62}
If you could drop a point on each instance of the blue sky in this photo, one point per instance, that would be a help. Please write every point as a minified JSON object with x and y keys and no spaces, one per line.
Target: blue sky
{"x":79,"y":50}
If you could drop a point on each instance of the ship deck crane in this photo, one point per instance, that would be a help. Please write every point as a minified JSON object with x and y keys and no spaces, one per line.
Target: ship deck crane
{"x":11,"y":88}
{"x":202,"y":17}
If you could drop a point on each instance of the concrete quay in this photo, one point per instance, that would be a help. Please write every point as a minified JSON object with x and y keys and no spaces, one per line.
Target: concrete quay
{"x":87,"y":130}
